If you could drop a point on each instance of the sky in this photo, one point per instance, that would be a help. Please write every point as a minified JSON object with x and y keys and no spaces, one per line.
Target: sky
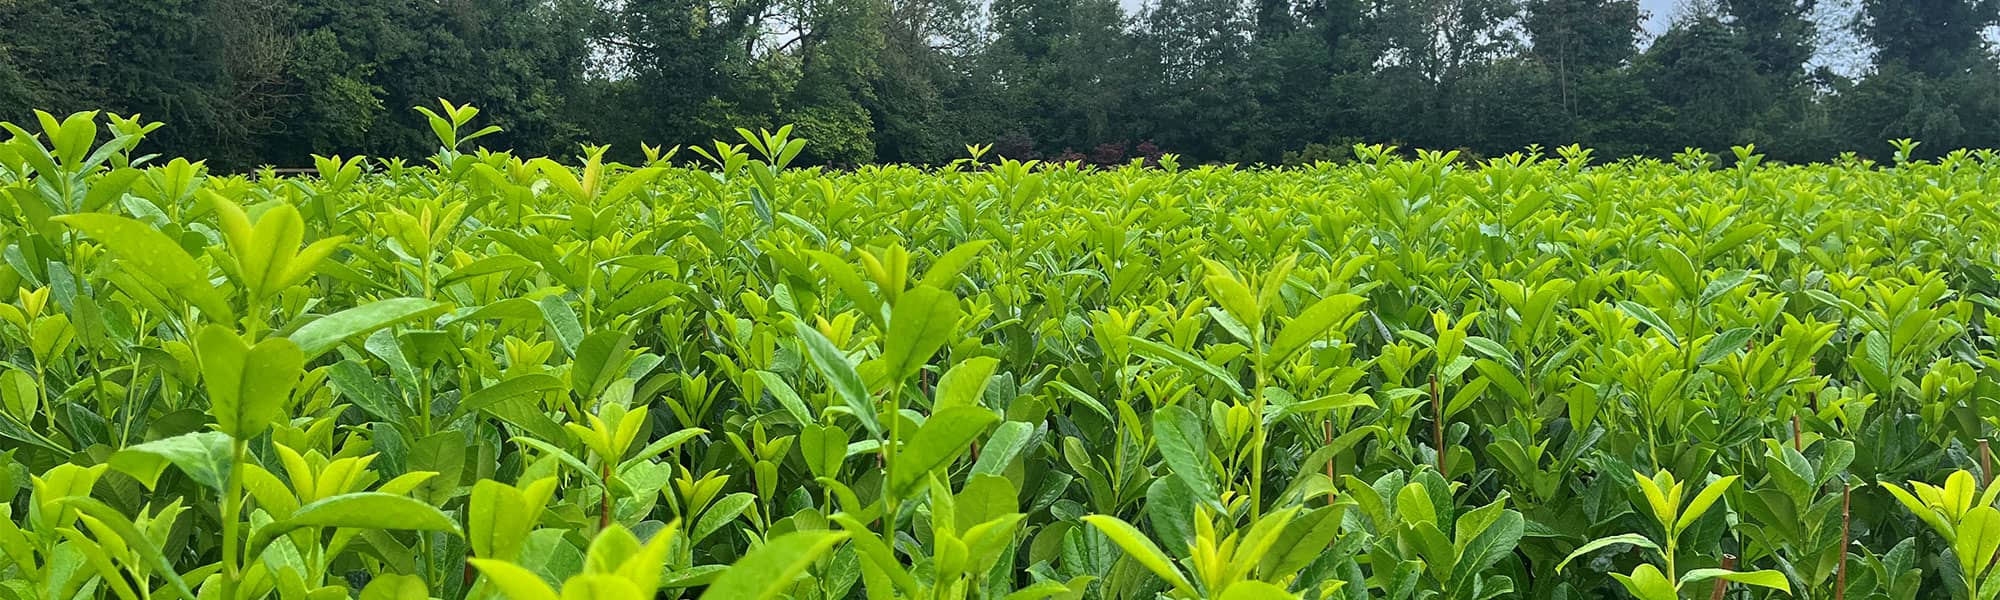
{"x":1660,"y":13}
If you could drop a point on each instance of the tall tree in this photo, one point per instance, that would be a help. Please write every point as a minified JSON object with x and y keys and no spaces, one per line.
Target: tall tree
{"x":1933,"y":37}
{"x":1066,"y":71}
{"x":927,"y":47}
{"x":1430,"y":49}
{"x":1778,"y":33}
{"x":1935,"y":79}
{"x":1699,"y":70}
{"x":1273,"y":19}
{"x":836,"y":57}
{"x":354,"y":69}
{"x":1580,"y":40}
{"x":1200,"y":99}
{"x":680,"y":71}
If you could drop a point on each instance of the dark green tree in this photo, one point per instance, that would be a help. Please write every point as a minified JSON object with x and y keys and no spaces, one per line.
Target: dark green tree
{"x":835,"y":52}
{"x":1066,"y":73}
{"x":1932,"y":37}
{"x":1578,"y":39}
{"x":927,"y":45}
{"x":679,"y":72}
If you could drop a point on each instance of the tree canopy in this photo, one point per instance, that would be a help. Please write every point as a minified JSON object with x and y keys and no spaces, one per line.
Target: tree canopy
{"x":243,"y":83}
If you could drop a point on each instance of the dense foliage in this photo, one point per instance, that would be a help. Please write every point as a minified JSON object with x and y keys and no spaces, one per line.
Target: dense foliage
{"x":492,"y":376}
{"x":244,"y":83}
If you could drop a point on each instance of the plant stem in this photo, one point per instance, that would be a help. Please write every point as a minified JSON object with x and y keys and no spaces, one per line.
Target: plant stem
{"x":1437,"y":429}
{"x":232,"y":508}
{"x":424,"y":397}
{"x":1798,"y":437}
{"x":1326,"y":427}
{"x":604,"y":509}
{"x":1985,"y":464}
{"x":1846,"y":520}
{"x":1728,"y":563}
{"x":1673,"y":573}
{"x":889,"y":469}
{"x":1257,"y":443}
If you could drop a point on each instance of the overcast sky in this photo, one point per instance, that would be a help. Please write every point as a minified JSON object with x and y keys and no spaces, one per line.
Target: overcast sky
{"x":1661,"y":12}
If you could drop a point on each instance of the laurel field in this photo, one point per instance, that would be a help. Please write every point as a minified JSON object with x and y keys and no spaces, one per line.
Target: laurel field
{"x":719,"y":374}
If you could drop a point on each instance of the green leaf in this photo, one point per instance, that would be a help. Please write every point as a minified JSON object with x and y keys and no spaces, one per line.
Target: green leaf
{"x":720,"y":514}
{"x":1304,"y":539}
{"x":499,"y":263}
{"x":1313,"y":323}
{"x":358,"y":510}
{"x":1141,"y":549}
{"x":1184,"y":446}
{"x":1255,"y":590}
{"x":600,"y":360}
{"x":1628,"y":539}
{"x":1978,"y":538}
{"x":485,"y":398}
{"x":248,"y":387}
{"x":327,"y":332}
{"x":394,"y":586}
{"x":965,"y":383}
{"x":769,"y":570}
{"x":525,"y":416}
{"x":515,"y":582}
{"x":1493,"y":543}
{"x":1232,"y":294}
{"x":660,"y":446}
{"x":947,"y":267}
{"x":1651,"y":319}
{"x":500,"y":516}
{"x":876,"y":554}
{"x":1724,"y":344}
{"x":204,"y":456}
{"x":985,"y":498}
{"x":1721,"y":285}
{"x":1678,"y":269}
{"x":1765,"y":578}
{"x":108,"y":187}
{"x":1502,"y":377}
{"x":1007,"y":441}
{"x":1702,"y":502}
{"x":355,"y":383}
{"x":1159,"y":351}
{"x":944,"y":436}
{"x":824,"y":448}
{"x":1917,"y":507}
{"x":1647,"y":583}
{"x":840,"y":375}
{"x":372,"y":510}
{"x":562,"y":322}
{"x":786,"y":396}
{"x":148,"y":253}
{"x":921,"y":322}
{"x":1493,"y":350}
{"x":154,"y":557}
{"x":850,"y":283}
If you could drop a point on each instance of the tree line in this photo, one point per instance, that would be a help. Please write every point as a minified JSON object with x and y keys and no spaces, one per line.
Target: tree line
{"x":243,"y":83}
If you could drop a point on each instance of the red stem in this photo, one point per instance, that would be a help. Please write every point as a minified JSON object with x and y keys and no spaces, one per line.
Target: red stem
{"x":1798,"y":439}
{"x":1326,"y":427}
{"x":604,"y":511}
{"x":1985,"y":464}
{"x":1840,"y":575}
{"x":1728,"y":564}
